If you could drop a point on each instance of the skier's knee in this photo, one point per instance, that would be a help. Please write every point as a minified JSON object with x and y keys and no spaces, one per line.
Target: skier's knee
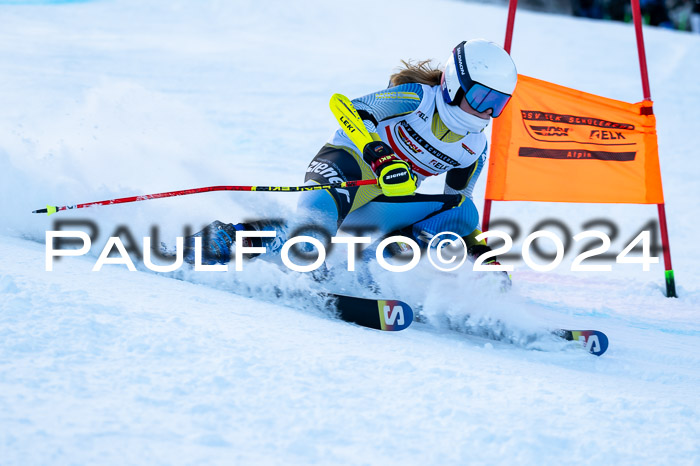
{"x":467,"y":218}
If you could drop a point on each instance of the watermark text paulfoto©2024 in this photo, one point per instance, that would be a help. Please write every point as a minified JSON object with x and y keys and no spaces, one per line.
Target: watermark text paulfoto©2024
{"x":446,"y":251}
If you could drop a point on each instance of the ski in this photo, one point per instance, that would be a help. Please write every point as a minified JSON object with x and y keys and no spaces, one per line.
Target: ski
{"x":594,"y":341}
{"x":379,"y":314}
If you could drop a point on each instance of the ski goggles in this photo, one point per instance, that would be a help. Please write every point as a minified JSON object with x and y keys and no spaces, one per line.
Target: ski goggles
{"x":479,"y":97}
{"x":482,"y":98}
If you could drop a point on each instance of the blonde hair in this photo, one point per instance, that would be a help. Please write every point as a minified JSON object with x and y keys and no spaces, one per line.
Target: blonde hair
{"x":422,"y":72}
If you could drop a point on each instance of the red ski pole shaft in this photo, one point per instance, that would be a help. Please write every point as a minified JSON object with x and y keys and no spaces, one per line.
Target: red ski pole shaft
{"x":123,"y":200}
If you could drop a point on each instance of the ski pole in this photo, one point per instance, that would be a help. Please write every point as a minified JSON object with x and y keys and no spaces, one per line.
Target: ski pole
{"x":345,"y":184}
{"x":349,"y":120}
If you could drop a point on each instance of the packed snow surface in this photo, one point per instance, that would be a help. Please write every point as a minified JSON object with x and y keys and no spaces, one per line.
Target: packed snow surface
{"x":117,"y":98}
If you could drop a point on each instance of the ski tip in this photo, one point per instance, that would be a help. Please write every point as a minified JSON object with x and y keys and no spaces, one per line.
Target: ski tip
{"x":378,"y":314}
{"x":394,"y":315}
{"x":594,"y":341}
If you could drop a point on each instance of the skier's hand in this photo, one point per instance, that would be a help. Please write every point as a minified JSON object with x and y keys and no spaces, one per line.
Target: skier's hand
{"x":394,"y":176}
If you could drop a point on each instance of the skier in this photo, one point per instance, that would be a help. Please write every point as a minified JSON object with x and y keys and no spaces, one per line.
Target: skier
{"x":428,"y":122}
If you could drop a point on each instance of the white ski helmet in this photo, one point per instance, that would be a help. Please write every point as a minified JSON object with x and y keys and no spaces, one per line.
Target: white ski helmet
{"x":483,"y":72}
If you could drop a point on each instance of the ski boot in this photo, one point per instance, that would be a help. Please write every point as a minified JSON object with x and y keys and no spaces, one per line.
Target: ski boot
{"x":477,"y":250}
{"x":218,"y":240}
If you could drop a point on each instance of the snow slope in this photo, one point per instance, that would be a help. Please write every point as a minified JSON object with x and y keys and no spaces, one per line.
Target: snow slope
{"x":115,"y":98}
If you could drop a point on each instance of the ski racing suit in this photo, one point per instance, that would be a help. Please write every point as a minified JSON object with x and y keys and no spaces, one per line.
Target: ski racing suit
{"x":406,"y":118}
